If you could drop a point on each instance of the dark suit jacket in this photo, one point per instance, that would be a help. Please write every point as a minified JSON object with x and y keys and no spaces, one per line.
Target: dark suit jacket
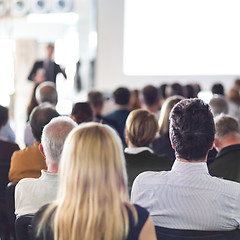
{"x":39,"y":64}
{"x":227,"y":163}
{"x":145,"y":161}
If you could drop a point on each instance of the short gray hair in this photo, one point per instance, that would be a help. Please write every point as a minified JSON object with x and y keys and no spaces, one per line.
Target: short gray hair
{"x":218,"y":105}
{"x":46,"y":92}
{"x":225,"y":125}
{"x":54,"y":135}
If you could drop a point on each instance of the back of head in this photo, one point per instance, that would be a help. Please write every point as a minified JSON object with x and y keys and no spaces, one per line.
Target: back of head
{"x":218,"y":89}
{"x":121,"y":96}
{"x":225,"y":125}
{"x":40,"y":116}
{"x":95,"y":98}
{"x":54,"y":135}
{"x":46,"y":92}
{"x":150,"y":95}
{"x":234,"y":95}
{"x":218,"y":104}
{"x":192,"y":129}
{"x":141,"y":127}
{"x":3,"y":116}
{"x":82,"y":112}
{"x":175,"y":89}
{"x":165,"y":112}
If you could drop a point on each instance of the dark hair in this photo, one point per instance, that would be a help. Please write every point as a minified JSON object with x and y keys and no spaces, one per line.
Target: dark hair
{"x":218,"y":89}
{"x":190,"y":92}
{"x":192,"y":129}
{"x":82,"y":112}
{"x":150,"y":95}
{"x":95,"y":98}
{"x":162,"y":90}
{"x":40,"y":116}
{"x":121,"y":96}
{"x":176,"y":89}
{"x":3,"y":115}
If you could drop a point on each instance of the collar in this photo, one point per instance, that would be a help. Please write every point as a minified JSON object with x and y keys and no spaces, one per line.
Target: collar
{"x":235,"y":147}
{"x":49,"y":176}
{"x":190,"y":167}
{"x":137,"y":150}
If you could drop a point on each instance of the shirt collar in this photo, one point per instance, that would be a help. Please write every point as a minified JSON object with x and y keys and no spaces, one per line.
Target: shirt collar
{"x":190,"y":167}
{"x":137,"y":150}
{"x":48,"y":175}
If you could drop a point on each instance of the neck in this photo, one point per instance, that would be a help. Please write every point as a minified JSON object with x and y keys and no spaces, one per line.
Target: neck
{"x":122,"y":107}
{"x":52,"y":167}
{"x":153,"y":109}
{"x":192,"y":161}
{"x":227,"y":141}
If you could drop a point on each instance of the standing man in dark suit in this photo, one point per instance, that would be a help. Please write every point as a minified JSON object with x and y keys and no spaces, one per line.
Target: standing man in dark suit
{"x":50,"y":67}
{"x":227,"y":142}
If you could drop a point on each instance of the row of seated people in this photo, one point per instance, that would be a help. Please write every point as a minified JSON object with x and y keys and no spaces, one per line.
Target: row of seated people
{"x":93,"y":191}
{"x":139,"y":122}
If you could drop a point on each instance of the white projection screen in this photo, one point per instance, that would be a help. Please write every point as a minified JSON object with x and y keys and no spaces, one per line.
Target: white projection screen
{"x":181,"y":37}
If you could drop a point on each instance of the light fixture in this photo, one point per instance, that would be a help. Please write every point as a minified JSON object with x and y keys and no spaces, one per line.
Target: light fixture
{"x":61,"y":5}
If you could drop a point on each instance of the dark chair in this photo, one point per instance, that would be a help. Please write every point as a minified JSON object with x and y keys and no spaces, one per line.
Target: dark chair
{"x":4,"y":225}
{"x":177,"y":234}
{"x":23,"y":225}
{"x":10,"y":205}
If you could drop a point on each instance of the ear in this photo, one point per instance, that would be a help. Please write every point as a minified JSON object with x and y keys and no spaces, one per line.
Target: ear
{"x":171,"y":142}
{"x":41,"y":150}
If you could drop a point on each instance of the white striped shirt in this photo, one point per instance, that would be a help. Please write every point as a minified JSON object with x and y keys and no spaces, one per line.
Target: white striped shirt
{"x":187,"y":197}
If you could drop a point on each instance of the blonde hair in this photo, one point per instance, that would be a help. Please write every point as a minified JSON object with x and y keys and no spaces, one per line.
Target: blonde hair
{"x":141,"y":127}
{"x":92,"y":199}
{"x":165,"y":112}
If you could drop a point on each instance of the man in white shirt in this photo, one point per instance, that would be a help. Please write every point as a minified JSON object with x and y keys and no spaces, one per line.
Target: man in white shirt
{"x":32,"y":193}
{"x":187,"y":197}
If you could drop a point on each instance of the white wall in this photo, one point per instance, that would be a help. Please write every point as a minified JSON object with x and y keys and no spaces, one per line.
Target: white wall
{"x":109,"y":66}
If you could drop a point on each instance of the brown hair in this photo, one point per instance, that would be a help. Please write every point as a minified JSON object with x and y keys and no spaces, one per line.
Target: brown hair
{"x":141,"y":127}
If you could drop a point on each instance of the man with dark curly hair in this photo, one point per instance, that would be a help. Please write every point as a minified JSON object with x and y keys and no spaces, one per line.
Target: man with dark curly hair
{"x":187,"y":197}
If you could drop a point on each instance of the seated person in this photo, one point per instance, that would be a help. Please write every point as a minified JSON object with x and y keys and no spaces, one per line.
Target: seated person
{"x":92,"y":201}
{"x":118,"y":117}
{"x":141,"y":129}
{"x":82,"y":112}
{"x":32,"y":193}
{"x":28,"y":162}
{"x":227,"y":142}
{"x":187,"y":197}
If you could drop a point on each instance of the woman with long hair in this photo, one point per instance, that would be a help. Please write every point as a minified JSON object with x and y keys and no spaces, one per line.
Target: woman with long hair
{"x":92,"y":202}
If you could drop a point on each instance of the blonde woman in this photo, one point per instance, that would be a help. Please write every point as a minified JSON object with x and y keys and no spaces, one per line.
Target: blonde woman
{"x":92,"y":202}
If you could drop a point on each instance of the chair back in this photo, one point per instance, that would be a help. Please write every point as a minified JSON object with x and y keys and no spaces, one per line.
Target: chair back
{"x":23,"y":225}
{"x":178,"y":234}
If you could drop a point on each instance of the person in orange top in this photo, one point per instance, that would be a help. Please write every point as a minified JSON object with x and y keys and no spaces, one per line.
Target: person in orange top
{"x":29,"y":162}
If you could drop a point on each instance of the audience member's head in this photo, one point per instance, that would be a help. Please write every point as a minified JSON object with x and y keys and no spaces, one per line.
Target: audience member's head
{"x":165,"y":112}
{"x":82,"y":112}
{"x":150,"y":95}
{"x":218,"y":104}
{"x":121,"y":96}
{"x":50,"y":50}
{"x":141,"y":128}
{"x":162,"y":91}
{"x":175,"y":89}
{"x":225,"y":125}
{"x":218,"y":89}
{"x":53,"y":138}
{"x":40,"y":116}
{"x":237,"y":84}
{"x":134,"y":102}
{"x":192,"y":129}
{"x":46,"y":92}
{"x":190,"y":91}
{"x":3,"y":116}
{"x":96,"y":100}
{"x":234,"y":96}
